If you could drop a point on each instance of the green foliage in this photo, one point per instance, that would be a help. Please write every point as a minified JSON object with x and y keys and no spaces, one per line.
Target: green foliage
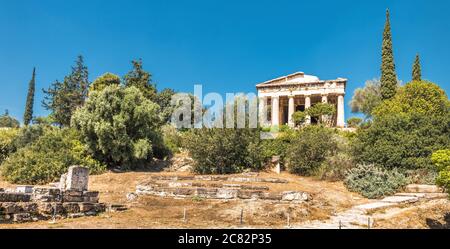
{"x":388,"y":74}
{"x":28,"y":135}
{"x":107,"y":79}
{"x":354,"y":122}
{"x":441,"y":159}
{"x":374,"y":182}
{"x":119,"y":126}
{"x":163,"y":99}
{"x":406,"y":129}
{"x":142,"y":80}
{"x":7,"y":121}
{"x":309,"y":148}
{"x":365,"y":99}
{"x":47,"y":158}
{"x":28,"y":115}
{"x":63,"y":98}
{"x":299,"y":118}
{"x":322,"y":112}
{"x":336,"y":165}
{"x":172,"y":138}
{"x":420,"y":97}
{"x":7,"y":137}
{"x":402,"y":140}
{"x":417,"y":71}
{"x":223,"y":151}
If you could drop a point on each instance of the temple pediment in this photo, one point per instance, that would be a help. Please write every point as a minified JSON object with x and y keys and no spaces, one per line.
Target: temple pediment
{"x":297,"y":78}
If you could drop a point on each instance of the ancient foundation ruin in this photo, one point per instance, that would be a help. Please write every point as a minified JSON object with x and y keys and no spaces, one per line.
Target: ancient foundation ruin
{"x":70,"y":199}
{"x":218,"y":187}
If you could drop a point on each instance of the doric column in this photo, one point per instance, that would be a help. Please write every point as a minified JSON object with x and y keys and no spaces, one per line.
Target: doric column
{"x":275,"y":110}
{"x":307,"y":105}
{"x":291,"y":109}
{"x":262,"y":111}
{"x":340,"y":122}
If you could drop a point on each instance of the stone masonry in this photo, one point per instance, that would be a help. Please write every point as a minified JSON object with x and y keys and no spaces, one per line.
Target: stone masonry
{"x":71,"y":199}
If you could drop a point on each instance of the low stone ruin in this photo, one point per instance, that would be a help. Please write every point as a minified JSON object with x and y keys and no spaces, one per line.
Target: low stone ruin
{"x":217,"y":187}
{"x":70,"y":199}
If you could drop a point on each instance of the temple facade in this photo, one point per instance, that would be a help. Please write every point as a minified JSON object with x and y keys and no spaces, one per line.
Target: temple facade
{"x":281,"y":97}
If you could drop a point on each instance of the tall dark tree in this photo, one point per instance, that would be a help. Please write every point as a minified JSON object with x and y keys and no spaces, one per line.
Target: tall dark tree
{"x":417,"y":71}
{"x":28,"y":115}
{"x":141,"y":79}
{"x":388,"y":75}
{"x":62,"y":98}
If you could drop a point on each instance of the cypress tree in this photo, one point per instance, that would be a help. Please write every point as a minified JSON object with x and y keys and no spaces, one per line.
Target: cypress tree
{"x":416,"y":71}
{"x":28,"y":115}
{"x":388,"y":75}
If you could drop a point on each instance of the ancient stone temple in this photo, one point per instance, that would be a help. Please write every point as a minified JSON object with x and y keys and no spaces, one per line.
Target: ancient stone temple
{"x":281,"y":97}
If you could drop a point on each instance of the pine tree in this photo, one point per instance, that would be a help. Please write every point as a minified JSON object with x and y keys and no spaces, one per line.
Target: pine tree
{"x":28,"y":115}
{"x":417,"y":71}
{"x":62,"y":98}
{"x":141,"y":79}
{"x":388,"y":75}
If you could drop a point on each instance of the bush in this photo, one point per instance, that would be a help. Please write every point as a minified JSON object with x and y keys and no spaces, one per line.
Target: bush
{"x":299,"y":118}
{"x":46,"y":159}
{"x":223,"y":151}
{"x":7,"y":137}
{"x":374,"y":182}
{"x":7,"y":121}
{"x":335,"y":166}
{"x":172,"y":138}
{"x":406,"y":129}
{"x":120,"y":126}
{"x":354,"y":122}
{"x":441,"y":159}
{"x":402,"y":140}
{"x":309,"y":148}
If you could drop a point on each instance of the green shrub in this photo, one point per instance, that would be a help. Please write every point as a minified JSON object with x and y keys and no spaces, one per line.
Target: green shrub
{"x":46,"y":159}
{"x":299,"y":118}
{"x":441,"y":159}
{"x":28,"y":135}
{"x":172,"y":138}
{"x":335,"y":166}
{"x":7,"y":121}
{"x":374,"y":182}
{"x":223,"y":151}
{"x":120,"y":126}
{"x":354,"y":122}
{"x":7,"y":137}
{"x":309,"y":148}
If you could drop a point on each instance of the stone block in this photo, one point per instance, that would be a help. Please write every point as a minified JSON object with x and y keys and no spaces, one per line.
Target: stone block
{"x":90,"y":193}
{"x":422,"y":188}
{"x":294,"y":196}
{"x":400,"y":199}
{"x":71,"y":207}
{"x":46,"y":191}
{"x":224,"y":193}
{"x":184,"y":192}
{"x":90,"y":199}
{"x":77,"y":178}
{"x":50,"y":208}
{"x":22,"y":217}
{"x":249,"y":194}
{"x":14,"y":197}
{"x":68,"y":198}
{"x":272,"y":196}
{"x":24,"y":189}
{"x":86,"y":207}
{"x":62,"y":181}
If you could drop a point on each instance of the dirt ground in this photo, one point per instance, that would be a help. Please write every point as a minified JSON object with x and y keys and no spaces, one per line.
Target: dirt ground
{"x":328,"y":198}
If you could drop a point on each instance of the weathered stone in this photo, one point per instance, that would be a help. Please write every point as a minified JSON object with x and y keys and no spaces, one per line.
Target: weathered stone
{"x":71,"y":207}
{"x":2,"y":190}
{"x":400,"y":199}
{"x":50,"y":208}
{"x":14,"y":197}
{"x":22,"y":217}
{"x":87,"y":207}
{"x":62,"y":182}
{"x":9,"y":208}
{"x":24,"y":189}
{"x":90,"y":199}
{"x":422,"y":188}
{"x":73,"y":193}
{"x":254,"y":187}
{"x":374,"y":206}
{"x":184,"y":191}
{"x":77,"y":178}
{"x":116,"y":207}
{"x":46,"y":191}
{"x":90,"y":193}
{"x":250,"y":194}
{"x":294,"y":196}
{"x":224,"y":193}
{"x":68,"y":198}
{"x":206,"y":192}
{"x":274,"y":180}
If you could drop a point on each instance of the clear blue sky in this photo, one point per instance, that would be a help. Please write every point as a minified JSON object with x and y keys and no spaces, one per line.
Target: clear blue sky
{"x":228,"y":46}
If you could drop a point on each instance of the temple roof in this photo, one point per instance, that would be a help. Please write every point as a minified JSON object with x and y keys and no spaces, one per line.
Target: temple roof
{"x":294,"y":79}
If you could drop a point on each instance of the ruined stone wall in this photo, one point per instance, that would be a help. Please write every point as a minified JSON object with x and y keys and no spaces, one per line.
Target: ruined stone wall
{"x":71,"y":199}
